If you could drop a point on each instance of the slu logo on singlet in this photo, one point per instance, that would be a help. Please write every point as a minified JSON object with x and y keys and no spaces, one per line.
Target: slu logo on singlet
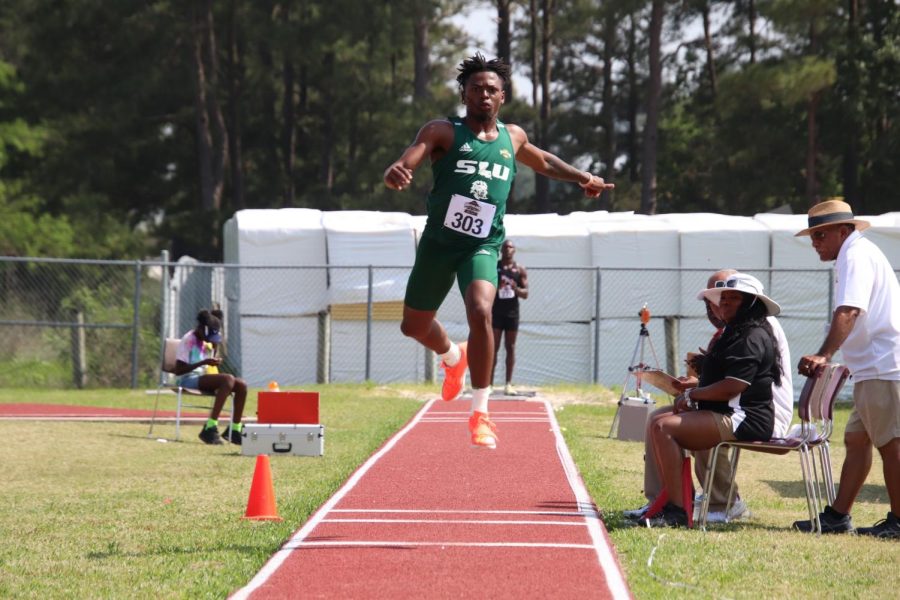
{"x":468,"y":167}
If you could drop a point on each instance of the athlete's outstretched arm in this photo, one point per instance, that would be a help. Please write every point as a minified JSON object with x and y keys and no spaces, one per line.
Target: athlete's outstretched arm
{"x":549,"y":164}
{"x":431,"y":141}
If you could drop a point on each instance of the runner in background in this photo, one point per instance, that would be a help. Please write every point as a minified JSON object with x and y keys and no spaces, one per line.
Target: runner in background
{"x":513,"y":284}
{"x":473,"y":164}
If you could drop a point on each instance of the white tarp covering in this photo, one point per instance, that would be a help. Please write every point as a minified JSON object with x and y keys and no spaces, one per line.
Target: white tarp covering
{"x":885,"y":233}
{"x":362,"y":238}
{"x":711,"y":241}
{"x":549,"y":240}
{"x":281,"y":349}
{"x":271,"y":314}
{"x":626,"y":242}
{"x":393,"y":358}
{"x":791,"y":288}
{"x":288,"y":236}
{"x":569,"y":345}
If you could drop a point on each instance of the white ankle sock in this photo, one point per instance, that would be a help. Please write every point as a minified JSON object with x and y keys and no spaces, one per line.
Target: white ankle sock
{"x":451,"y":356}
{"x":480,"y":400}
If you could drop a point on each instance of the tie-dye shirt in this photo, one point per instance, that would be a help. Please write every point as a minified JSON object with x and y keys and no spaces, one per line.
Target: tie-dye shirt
{"x":191,"y":351}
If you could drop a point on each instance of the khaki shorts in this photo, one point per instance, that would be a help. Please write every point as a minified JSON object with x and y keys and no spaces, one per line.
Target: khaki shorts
{"x":726,"y":427}
{"x":876,"y":410}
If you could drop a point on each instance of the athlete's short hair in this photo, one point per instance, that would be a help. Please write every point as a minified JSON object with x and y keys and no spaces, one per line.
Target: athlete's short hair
{"x":478,"y":64}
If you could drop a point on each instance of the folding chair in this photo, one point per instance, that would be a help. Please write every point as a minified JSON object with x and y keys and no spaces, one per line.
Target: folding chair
{"x":815,"y":408}
{"x":166,"y":382}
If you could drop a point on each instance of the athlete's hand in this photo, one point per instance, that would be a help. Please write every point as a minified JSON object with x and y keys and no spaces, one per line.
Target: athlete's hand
{"x":595,"y":186}
{"x":397,"y":177}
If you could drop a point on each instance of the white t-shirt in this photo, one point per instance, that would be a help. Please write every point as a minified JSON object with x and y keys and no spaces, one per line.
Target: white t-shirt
{"x":782,"y":395}
{"x":864,"y":280}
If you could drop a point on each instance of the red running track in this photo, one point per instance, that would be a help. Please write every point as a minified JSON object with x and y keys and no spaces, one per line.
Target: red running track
{"x":428,"y":516}
{"x":68,"y":412}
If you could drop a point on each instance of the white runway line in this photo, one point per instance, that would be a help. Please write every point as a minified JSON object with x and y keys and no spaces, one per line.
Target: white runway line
{"x":457,"y":521}
{"x":279,"y":557}
{"x":308,"y":544}
{"x":608,"y":564}
{"x":615,"y":579}
{"x":549,"y":513}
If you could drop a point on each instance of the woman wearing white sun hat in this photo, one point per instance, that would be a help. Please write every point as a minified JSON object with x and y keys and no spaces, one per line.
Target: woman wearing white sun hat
{"x":733,"y":400}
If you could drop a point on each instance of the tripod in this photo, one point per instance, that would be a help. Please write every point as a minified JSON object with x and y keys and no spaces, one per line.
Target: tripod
{"x":636,"y":368}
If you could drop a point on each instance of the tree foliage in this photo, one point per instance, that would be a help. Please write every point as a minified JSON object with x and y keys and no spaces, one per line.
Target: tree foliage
{"x":128,"y":126}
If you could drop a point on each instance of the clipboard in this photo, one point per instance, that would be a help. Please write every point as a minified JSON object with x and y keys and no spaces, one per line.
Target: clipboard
{"x":660,"y":380}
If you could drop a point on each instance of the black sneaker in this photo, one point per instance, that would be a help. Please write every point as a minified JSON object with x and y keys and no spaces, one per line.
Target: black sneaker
{"x":636,"y":514}
{"x":671,"y":516}
{"x":832,"y":522}
{"x":232,"y":436}
{"x":886,"y":529}
{"x":210,"y":435}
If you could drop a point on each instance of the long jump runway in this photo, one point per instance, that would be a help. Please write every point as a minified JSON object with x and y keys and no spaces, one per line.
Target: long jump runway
{"x":428,"y":516}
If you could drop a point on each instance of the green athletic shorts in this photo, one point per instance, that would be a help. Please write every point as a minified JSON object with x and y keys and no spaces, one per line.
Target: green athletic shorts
{"x":437,"y":264}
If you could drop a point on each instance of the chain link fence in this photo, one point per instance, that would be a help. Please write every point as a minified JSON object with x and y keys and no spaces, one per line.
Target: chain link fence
{"x":83,"y":323}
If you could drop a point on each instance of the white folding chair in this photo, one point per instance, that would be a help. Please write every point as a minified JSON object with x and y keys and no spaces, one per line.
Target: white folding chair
{"x":815,"y":409}
{"x":168,"y":383}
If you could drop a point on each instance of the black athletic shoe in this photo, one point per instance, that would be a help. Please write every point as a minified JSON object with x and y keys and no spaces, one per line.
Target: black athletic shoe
{"x":886,"y":529}
{"x":832,"y":522}
{"x":671,"y":516}
{"x":636,"y":514}
{"x":232,"y":436}
{"x":210,"y":435}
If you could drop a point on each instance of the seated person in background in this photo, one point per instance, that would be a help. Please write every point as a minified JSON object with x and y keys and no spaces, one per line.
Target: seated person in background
{"x":734,"y":396}
{"x":192,"y":361}
{"x":783,"y":395}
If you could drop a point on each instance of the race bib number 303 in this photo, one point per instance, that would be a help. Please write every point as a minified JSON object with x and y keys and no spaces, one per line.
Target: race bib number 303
{"x":469,"y":216}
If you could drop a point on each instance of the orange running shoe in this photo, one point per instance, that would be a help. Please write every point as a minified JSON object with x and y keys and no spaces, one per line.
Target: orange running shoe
{"x":484,"y":432}
{"x":455,"y":376}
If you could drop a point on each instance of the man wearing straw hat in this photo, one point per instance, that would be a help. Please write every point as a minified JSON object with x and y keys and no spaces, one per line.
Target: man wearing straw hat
{"x":865,"y":326}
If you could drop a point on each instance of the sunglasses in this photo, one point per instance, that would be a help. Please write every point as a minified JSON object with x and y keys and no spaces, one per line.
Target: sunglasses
{"x":728,"y":283}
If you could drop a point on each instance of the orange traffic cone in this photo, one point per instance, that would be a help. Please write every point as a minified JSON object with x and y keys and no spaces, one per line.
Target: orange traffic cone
{"x":261,"y":504}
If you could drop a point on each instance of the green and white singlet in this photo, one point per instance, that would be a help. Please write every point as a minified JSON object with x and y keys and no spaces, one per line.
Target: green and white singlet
{"x":471,"y":186}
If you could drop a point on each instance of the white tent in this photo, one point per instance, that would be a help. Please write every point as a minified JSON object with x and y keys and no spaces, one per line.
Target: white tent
{"x":361,"y":238}
{"x":272,"y":311}
{"x":708,"y":242}
{"x":272,"y":238}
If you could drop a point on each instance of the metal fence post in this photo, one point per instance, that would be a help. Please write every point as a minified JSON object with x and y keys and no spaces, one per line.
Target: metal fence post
{"x":323,"y":363}
{"x":136,"y":324}
{"x":369,"y":326}
{"x":79,"y":351}
{"x":595,"y":376}
{"x":671,"y":328}
{"x":830,"y":294}
{"x":430,"y":366}
{"x":164,"y":309}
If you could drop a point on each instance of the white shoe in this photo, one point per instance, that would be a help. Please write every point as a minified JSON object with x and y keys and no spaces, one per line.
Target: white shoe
{"x":737,"y":512}
{"x":509,"y":390}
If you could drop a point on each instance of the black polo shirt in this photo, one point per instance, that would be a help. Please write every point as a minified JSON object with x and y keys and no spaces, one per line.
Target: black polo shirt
{"x":750,"y":358}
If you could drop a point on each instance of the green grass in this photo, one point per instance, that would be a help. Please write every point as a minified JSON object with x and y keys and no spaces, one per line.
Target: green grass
{"x":99,"y":510}
{"x":761,"y":557}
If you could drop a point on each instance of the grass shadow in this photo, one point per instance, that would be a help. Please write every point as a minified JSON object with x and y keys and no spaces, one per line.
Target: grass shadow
{"x":795,"y":489}
{"x":113,"y":550}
